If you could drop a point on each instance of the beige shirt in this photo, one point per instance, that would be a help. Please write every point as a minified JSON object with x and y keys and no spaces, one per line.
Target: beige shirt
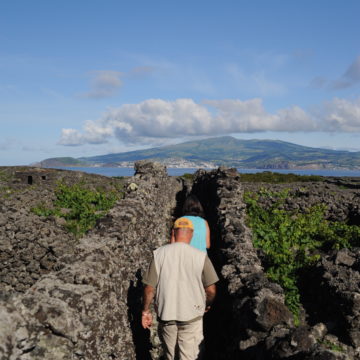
{"x":179,"y":272}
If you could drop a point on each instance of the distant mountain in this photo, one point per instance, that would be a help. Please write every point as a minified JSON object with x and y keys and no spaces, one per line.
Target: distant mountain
{"x":228,"y":151}
{"x":61,"y":161}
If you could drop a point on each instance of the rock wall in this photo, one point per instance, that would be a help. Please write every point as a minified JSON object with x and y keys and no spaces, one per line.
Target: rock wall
{"x":249,"y":319}
{"x":248,"y":306}
{"x":30,"y":246}
{"x":332,"y":294}
{"x":342,"y":198}
{"x":89,"y":308}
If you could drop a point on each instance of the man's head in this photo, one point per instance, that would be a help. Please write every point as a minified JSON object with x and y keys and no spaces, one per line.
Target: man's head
{"x":183,"y":230}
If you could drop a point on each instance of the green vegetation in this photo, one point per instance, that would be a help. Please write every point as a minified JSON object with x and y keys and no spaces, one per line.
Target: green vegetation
{"x":5,"y":178}
{"x":6,"y":191}
{"x":277,"y":178}
{"x":79,"y":206}
{"x":70,"y":161}
{"x":63,"y":161}
{"x":292,"y":241}
{"x":187,"y":176}
{"x":331,"y":346}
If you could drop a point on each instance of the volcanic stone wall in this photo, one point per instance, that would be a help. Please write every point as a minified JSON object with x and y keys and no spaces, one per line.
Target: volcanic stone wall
{"x":248,"y":306}
{"x":30,"y":246}
{"x":89,"y":308}
{"x":341,"y":197}
{"x":249,"y":319}
{"x":332,"y":294}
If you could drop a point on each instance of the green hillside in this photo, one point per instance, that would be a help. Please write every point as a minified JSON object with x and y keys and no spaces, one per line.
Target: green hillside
{"x":229,"y":151}
{"x":62,"y":161}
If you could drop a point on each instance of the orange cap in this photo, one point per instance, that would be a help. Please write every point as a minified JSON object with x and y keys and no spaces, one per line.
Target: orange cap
{"x":183,"y":223}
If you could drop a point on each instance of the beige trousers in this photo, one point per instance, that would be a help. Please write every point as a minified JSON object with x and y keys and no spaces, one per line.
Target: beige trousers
{"x":189,"y":339}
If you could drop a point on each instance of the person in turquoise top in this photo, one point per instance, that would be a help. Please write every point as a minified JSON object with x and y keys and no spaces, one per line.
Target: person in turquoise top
{"x":194,"y":211}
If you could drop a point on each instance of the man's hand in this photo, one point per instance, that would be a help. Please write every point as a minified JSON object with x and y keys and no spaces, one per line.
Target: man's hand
{"x":146,"y":319}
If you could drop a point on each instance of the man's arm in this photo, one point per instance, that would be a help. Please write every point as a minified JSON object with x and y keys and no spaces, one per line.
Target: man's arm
{"x":149,"y":293}
{"x":146,"y":317}
{"x":210,"y":292}
{"x":207,"y":235}
{"x":209,"y":278}
{"x":150,"y":282}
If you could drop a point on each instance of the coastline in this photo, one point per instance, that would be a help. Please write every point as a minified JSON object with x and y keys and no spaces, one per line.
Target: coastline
{"x":177,"y":171}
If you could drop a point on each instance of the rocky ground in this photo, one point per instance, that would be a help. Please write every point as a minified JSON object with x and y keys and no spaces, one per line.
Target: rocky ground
{"x":68,"y":298}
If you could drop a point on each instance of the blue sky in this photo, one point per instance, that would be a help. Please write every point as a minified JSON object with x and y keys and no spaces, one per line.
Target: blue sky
{"x":81,"y":78}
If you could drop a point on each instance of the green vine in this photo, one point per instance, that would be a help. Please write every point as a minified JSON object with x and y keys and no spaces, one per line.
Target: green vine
{"x":291,"y":240}
{"x":331,"y":346}
{"x":79,"y":206}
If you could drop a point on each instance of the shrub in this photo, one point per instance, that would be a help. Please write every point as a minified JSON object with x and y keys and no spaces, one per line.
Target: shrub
{"x":188,"y":176}
{"x":291,"y":240}
{"x":79,"y":206}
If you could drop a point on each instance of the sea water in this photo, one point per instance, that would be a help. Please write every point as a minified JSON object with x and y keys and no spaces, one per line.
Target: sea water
{"x":120,"y":171}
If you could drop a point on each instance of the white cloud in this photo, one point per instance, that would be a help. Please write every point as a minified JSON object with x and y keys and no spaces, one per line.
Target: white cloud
{"x":144,"y":123}
{"x":104,"y":83}
{"x":71,"y":137}
{"x":250,"y":116}
{"x":341,"y":115}
{"x":155,"y":120}
{"x":351,"y":76}
{"x":93,"y":134}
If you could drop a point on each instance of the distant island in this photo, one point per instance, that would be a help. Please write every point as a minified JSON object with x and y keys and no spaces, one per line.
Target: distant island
{"x":225,"y":150}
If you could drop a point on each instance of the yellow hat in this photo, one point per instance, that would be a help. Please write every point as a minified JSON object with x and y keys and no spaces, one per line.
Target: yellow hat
{"x":183,"y":223}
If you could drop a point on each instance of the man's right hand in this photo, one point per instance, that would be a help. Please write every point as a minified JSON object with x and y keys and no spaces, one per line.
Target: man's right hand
{"x":146,"y":319}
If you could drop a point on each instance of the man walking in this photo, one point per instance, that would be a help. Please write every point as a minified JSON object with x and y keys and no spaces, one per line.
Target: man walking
{"x":182,"y":279}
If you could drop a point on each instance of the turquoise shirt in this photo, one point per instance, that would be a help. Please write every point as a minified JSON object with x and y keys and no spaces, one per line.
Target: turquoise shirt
{"x":199,"y":237}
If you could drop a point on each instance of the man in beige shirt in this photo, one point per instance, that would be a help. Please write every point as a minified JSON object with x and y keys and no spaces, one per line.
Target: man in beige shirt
{"x":182,"y":280}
